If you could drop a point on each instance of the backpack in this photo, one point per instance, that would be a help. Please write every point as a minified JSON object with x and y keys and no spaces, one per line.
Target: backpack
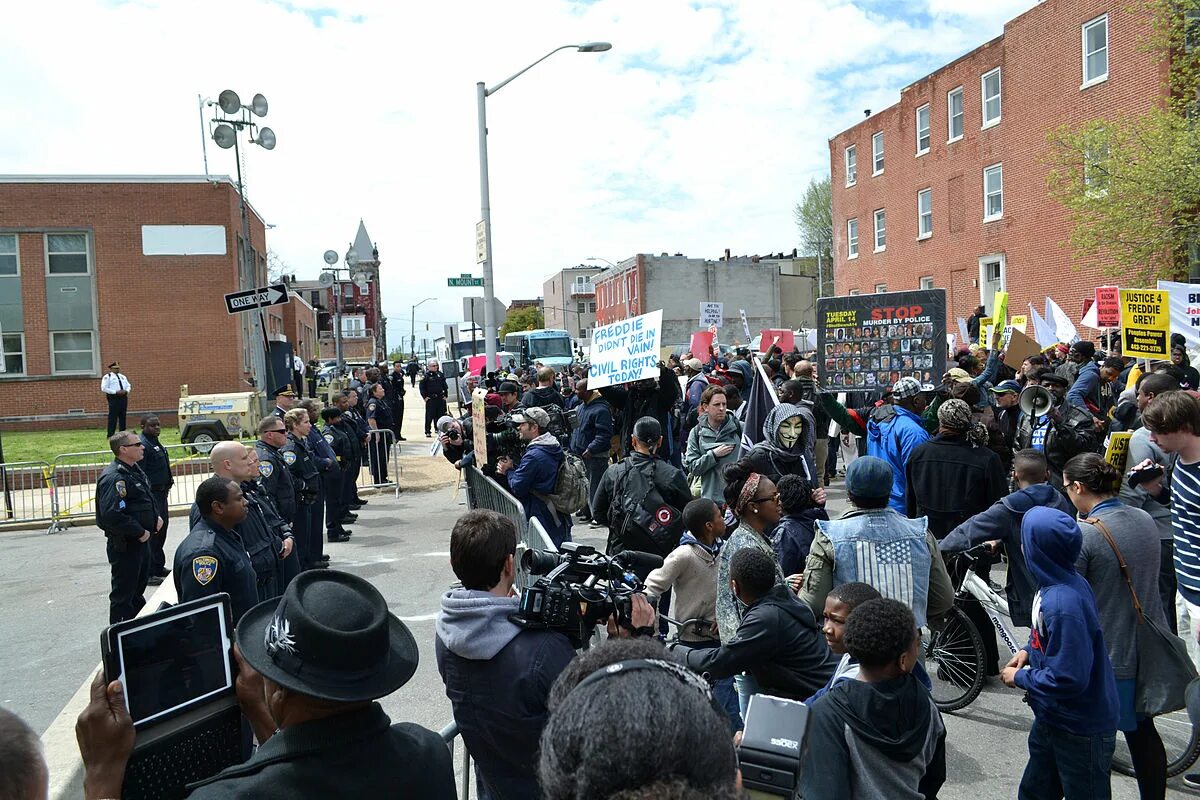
{"x":570,"y":488}
{"x":648,"y":523}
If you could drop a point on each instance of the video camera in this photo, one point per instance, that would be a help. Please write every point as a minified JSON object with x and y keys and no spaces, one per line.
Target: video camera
{"x":579,"y":588}
{"x":503,"y":439}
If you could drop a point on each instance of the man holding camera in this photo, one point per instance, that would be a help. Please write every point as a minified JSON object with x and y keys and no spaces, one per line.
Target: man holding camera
{"x":534,"y":478}
{"x":497,"y":675}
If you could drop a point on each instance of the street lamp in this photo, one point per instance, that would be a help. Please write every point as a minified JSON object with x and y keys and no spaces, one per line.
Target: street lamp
{"x":413,"y":324}
{"x":481,"y":93}
{"x":234,"y":117}
{"x":331,"y":277}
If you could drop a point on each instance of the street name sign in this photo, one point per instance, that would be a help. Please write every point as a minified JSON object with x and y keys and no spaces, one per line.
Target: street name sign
{"x":464,"y":279}
{"x":254,"y":299}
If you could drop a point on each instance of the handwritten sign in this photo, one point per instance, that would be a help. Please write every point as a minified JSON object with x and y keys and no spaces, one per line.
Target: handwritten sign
{"x":712,"y":315}
{"x":1145,"y":323}
{"x":625,"y":351}
{"x":745,"y":323}
{"x":783,"y":338}
{"x":479,"y":423}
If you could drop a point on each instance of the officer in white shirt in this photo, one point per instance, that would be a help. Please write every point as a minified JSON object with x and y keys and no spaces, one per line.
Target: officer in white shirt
{"x":116,"y":389}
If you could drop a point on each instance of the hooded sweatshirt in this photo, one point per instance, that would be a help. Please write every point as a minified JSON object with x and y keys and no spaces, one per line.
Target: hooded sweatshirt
{"x":774,"y":459}
{"x":537,"y":473}
{"x":498,"y":677}
{"x":1069,"y":682}
{"x":878,"y":740}
{"x":893,"y":433}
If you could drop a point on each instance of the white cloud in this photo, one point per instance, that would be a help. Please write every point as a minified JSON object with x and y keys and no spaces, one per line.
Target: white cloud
{"x":697,"y":132}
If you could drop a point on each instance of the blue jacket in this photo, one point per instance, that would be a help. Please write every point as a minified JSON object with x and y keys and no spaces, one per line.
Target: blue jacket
{"x":322,"y":450}
{"x":594,"y":430}
{"x":893,"y":433}
{"x":538,"y":472}
{"x":793,"y":536}
{"x":1086,"y":386}
{"x":1070,"y":683}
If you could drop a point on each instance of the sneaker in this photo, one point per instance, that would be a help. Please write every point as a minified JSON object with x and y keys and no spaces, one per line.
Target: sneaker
{"x":594,"y":524}
{"x":1192,"y":779}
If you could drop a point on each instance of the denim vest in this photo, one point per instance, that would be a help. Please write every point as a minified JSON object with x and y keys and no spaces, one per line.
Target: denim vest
{"x":884,"y":549}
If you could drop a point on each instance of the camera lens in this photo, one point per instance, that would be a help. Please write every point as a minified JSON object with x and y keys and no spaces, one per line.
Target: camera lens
{"x":539,"y":562}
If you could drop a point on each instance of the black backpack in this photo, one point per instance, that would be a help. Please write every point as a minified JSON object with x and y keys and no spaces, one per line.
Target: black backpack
{"x":648,"y":522}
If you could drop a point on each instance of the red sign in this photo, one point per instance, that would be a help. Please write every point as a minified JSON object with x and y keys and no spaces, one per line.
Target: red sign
{"x":1108,"y":307}
{"x":701,"y":346}
{"x":783,"y":338}
{"x":475,"y":364}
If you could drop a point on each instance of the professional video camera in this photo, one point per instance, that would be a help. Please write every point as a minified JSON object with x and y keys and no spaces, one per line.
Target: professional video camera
{"x":580,"y":588}
{"x":503,"y":439}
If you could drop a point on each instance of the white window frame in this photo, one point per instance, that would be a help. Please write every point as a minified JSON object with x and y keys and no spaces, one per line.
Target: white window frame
{"x":850,"y":158}
{"x":924,"y":232}
{"x":925,"y":282}
{"x":54,"y":370}
{"x":877,"y":159}
{"x":87,"y":252}
{"x":983,"y":98}
{"x":1102,"y":19}
{"x":6,"y":353}
{"x":854,"y":292}
{"x":879,"y":213}
{"x":852,"y":239}
{"x":16,"y":254}
{"x":880,"y":288}
{"x":993,"y":217}
{"x":928,"y":130}
{"x":950,"y":115}
{"x":983,"y":279}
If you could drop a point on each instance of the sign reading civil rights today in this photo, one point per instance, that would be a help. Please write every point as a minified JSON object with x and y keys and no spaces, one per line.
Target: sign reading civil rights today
{"x":870,"y":341}
{"x":625,"y":351}
{"x":1145,"y":323}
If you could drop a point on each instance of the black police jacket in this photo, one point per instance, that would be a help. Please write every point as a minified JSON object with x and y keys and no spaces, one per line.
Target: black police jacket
{"x":395,"y":384}
{"x":212,"y":559}
{"x":298,"y":457}
{"x":124,"y":505}
{"x":349,"y":427}
{"x":276,"y":480}
{"x":339,"y":442}
{"x":261,"y":542}
{"x":378,"y":410}
{"x":433,"y":385}
{"x":156,"y":464}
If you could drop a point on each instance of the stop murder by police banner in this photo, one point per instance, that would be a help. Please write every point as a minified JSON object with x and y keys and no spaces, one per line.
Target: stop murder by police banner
{"x":868,"y":342}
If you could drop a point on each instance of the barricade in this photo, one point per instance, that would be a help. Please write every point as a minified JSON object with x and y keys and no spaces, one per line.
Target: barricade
{"x":382,"y":465}
{"x":485,"y":493}
{"x":449,"y":734}
{"x":26,"y":491}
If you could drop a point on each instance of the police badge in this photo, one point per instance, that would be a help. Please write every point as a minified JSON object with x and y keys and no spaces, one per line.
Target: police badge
{"x":121,"y":488}
{"x":204,"y":568}
{"x":289,"y":457}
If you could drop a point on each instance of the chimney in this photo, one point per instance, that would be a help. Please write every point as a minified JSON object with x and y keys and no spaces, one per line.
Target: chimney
{"x":866,"y":112}
{"x":726,"y":253}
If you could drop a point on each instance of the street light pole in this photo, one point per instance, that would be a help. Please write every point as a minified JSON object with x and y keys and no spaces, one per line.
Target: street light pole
{"x":485,"y":202}
{"x":413,"y":324}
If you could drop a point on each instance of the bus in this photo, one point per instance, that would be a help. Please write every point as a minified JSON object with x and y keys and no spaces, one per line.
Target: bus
{"x":553,"y":348}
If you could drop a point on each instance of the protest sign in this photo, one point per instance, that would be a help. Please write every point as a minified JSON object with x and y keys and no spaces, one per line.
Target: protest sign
{"x":475,"y":364}
{"x":701,"y":346}
{"x":1145,"y":323}
{"x":1020,"y":347}
{"x":712,"y":314}
{"x":625,"y":351}
{"x":984,"y":324}
{"x":1117,"y":452}
{"x":1185,"y":310}
{"x":479,"y":421}
{"x":1000,"y":310}
{"x":783,"y":338}
{"x":1019,"y":322}
{"x":745,"y":324}
{"x":870,"y":341}
{"x":963,"y":335}
{"x":1108,"y":306}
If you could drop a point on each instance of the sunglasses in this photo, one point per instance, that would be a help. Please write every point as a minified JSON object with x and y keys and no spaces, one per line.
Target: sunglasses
{"x":277,"y":430}
{"x":133,"y":444}
{"x":772,"y":497}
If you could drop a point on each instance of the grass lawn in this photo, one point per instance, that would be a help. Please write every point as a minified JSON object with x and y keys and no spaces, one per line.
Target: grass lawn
{"x":45,"y":445}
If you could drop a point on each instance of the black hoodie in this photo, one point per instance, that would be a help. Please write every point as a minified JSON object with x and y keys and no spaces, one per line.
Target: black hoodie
{"x":899,"y":742}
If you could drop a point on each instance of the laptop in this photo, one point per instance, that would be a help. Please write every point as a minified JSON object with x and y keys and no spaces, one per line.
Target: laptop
{"x":176,"y":666}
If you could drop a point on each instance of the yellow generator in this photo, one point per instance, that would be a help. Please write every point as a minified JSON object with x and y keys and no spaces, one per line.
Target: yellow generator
{"x":205,"y":419}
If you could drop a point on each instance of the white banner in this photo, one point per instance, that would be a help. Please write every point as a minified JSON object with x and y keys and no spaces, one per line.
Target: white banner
{"x":1185,"y":310}
{"x":712,"y":315}
{"x":625,"y":351}
{"x":745,"y":325}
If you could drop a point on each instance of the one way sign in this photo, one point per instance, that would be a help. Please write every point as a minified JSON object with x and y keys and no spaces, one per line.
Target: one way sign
{"x":252,"y":299}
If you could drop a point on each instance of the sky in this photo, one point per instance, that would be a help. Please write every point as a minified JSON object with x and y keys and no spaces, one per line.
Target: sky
{"x":698,"y":131}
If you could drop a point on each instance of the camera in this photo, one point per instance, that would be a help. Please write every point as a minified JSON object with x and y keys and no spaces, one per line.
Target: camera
{"x":772,"y":746}
{"x":579,"y":588}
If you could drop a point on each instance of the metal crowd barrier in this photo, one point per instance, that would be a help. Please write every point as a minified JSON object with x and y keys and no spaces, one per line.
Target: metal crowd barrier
{"x":382,"y":466}
{"x":26,"y":491}
{"x":449,"y":734}
{"x":485,"y":493}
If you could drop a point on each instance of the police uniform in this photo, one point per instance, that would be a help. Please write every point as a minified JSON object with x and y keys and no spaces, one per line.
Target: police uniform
{"x":330,"y":482}
{"x":157,"y":466}
{"x":113,"y":384}
{"x":298,"y":457}
{"x":212,"y":559}
{"x":335,"y":497}
{"x":261,"y":543}
{"x":286,"y":389}
{"x":377,"y":410}
{"x":357,"y":429}
{"x":125,"y":511}
{"x":276,"y":480}
{"x":396,"y":399}
{"x":282,"y":530}
{"x":434,"y":390}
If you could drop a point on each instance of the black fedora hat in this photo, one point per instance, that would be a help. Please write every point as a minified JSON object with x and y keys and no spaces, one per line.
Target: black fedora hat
{"x":329,"y":636}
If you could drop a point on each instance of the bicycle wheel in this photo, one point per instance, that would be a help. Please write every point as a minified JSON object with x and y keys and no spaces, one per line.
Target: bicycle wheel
{"x":954,"y":660}
{"x":1179,"y":739}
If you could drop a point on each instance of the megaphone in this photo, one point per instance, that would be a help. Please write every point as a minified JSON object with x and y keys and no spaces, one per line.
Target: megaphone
{"x":1036,"y":400}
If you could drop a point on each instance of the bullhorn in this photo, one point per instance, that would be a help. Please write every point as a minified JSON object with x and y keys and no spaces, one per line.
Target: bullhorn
{"x":1036,"y":400}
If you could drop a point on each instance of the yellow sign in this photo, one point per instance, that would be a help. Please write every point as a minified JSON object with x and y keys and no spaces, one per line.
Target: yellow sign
{"x":1145,"y":323}
{"x":1000,"y":309}
{"x":984,"y":324}
{"x":1019,"y":322}
{"x":1117,"y":452}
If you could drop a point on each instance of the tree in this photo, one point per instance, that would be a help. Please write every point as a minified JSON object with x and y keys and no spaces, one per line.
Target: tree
{"x":522,"y":319}
{"x":814,"y":218}
{"x":1132,"y":184}
{"x":397,"y":354}
{"x":276,"y":267}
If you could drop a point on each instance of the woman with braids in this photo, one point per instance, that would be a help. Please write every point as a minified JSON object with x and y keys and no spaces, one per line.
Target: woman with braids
{"x":1092,"y":485}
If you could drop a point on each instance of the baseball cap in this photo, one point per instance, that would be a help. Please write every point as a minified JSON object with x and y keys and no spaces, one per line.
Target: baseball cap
{"x":508,"y":387}
{"x":535,"y":415}
{"x":1005,"y":387}
{"x":909,"y":387}
{"x":693,"y":364}
{"x":869,"y":477}
{"x":958,"y":375}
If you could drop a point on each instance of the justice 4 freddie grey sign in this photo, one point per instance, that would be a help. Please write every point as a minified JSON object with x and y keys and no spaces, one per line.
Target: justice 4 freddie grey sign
{"x":625,"y":351}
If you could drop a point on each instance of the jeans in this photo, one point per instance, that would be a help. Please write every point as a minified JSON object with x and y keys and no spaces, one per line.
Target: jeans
{"x":595,"y":466}
{"x":746,"y":686}
{"x":1064,"y":765}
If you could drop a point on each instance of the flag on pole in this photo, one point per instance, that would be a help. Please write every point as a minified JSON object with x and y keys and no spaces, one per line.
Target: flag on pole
{"x":1043,"y":332}
{"x":1064,"y":329}
{"x":760,"y":402}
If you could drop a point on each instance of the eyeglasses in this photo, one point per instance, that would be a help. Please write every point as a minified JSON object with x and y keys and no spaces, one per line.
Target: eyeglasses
{"x":771,"y":497}
{"x":133,"y":444}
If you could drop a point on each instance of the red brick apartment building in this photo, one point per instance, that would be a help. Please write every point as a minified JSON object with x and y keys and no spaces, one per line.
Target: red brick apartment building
{"x":131,"y":269}
{"x":947,"y":188}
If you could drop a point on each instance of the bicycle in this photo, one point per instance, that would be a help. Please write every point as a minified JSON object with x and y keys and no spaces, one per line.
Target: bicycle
{"x":957,"y":672}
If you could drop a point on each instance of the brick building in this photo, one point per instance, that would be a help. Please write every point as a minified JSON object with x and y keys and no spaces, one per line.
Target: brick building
{"x":133,"y":269}
{"x":947,"y":188}
{"x":569,"y":301}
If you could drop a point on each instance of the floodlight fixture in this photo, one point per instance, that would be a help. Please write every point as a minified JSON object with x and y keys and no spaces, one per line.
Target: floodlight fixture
{"x":266,"y":139}
{"x":327,"y":279}
{"x":259,"y":105}
{"x":224,"y":136}
{"x":229,"y":101}
{"x":594,"y":47}
{"x":331,"y":257}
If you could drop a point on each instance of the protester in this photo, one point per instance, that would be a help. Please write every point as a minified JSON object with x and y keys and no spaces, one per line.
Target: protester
{"x":1069,"y":684}
{"x":497,"y":674}
{"x":592,"y":439}
{"x":694,"y":384}
{"x":1190,"y":377}
{"x":1001,"y":417}
{"x":792,"y":537}
{"x":714,"y":443}
{"x":895,"y":431}
{"x":534,"y":478}
{"x":880,"y":735}
{"x":1063,"y":432}
{"x":839,"y":603}
{"x":649,"y":398}
{"x":1085,"y":388}
{"x":788,"y":444}
{"x":973,"y":322}
{"x":545,"y":394}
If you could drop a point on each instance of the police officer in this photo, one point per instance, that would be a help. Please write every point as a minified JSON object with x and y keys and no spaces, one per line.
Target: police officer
{"x":433,"y":392}
{"x":336,"y":512}
{"x":260,"y":505}
{"x":297,"y":455}
{"x":395,"y":397}
{"x":357,"y":429}
{"x":273,"y":473}
{"x":379,"y":418}
{"x":157,"y":466}
{"x":115,"y":387}
{"x":329,"y":470}
{"x":212,"y":558}
{"x":126,"y":512}
{"x":285,"y":398}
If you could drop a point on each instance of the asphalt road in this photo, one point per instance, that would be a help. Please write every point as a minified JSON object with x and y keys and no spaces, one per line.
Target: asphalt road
{"x":53,"y":589}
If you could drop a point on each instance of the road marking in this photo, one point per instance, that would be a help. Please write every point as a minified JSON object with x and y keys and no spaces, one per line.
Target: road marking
{"x":419,"y":618}
{"x":435,"y":554}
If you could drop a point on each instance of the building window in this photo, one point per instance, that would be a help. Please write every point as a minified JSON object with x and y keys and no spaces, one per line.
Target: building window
{"x":66,"y":254}
{"x":993,"y":193}
{"x":990,"y":85}
{"x":926,"y":282}
{"x":8,"y":255}
{"x":583,"y":333}
{"x":580,"y":308}
{"x":1095,"y":51}
{"x":954,"y":115}
{"x":880,"y":231}
{"x":851,"y":165}
{"x":851,"y":238}
{"x":72,"y":352}
{"x":13,"y":347}
{"x":355,"y":327}
{"x":853,"y":292}
{"x":592,"y":308}
{"x":877,"y":153}
{"x":923,"y":130}
{"x":924,"y":214}
{"x":880,"y":288}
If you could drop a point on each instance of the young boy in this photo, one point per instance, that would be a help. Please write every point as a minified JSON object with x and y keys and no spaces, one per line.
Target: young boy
{"x":793,"y":536}
{"x":1069,"y":682}
{"x":840,"y":601}
{"x":880,"y":735}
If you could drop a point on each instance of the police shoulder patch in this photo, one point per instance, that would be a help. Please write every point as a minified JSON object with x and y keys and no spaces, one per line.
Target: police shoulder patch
{"x":204,"y":569}
{"x":329,"y":438}
{"x":289,"y":457}
{"x":121,"y":490}
{"x":370,"y":407}
{"x":265,"y":468}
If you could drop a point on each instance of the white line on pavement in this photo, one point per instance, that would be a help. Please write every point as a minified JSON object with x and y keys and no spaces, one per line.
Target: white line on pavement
{"x":419,"y":618}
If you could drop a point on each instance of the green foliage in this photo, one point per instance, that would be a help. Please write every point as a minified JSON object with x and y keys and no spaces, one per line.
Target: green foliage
{"x":522,"y":319}
{"x":397,"y":354}
{"x":814,"y":218}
